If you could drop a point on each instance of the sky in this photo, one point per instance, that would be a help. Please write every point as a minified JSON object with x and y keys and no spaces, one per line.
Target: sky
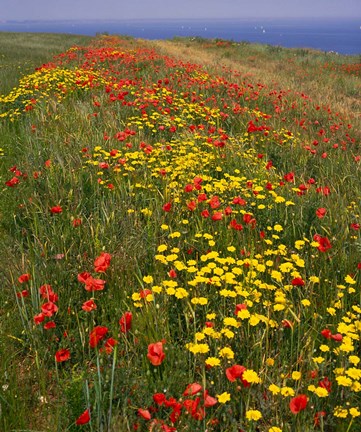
{"x":143,"y":9}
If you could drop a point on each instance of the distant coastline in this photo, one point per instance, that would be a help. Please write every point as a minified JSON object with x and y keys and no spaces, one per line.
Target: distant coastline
{"x":342,"y":36}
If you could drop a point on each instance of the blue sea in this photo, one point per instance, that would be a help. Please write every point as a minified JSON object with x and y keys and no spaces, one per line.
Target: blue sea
{"x":342,"y":35}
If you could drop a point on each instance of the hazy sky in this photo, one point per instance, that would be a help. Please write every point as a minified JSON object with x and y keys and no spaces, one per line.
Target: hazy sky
{"x":124,"y":9}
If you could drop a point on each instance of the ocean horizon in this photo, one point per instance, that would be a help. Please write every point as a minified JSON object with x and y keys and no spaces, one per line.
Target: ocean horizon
{"x":342,"y":35}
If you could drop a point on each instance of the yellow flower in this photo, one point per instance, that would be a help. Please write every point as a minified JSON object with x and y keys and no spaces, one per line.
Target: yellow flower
{"x":340,"y":412}
{"x":331,"y":311}
{"x":226,"y":352}
{"x":354,"y":359}
{"x":243,"y":314}
{"x":162,"y":248}
{"x":270,"y":362}
{"x":224,"y":397}
{"x":314,"y":279}
{"x":305,"y":302}
{"x":350,"y":280}
{"x":321,"y":392}
{"x":299,"y":244}
{"x":175,"y":234}
{"x":197,"y":348}
{"x":254,"y":415}
{"x":148,"y":279}
{"x":318,"y":360}
{"x":354,"y":373}
{"x":287,"y":391}
{"x":251,"y":376}
{"x":181,"y":293}
{"x":296,"y":375}
{"x":344,"y":381}
{"x":199,"y":300}
{"x":274,"y":389}
{"x":231,"y":322}
{"x":354,"y":412}
{"x":274,"y":429}
{"x":324,"y":348}
{"x":254,"y":320}
{"x":213,"y":361}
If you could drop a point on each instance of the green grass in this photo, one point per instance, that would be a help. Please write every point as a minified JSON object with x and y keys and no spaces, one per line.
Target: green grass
{"x":199,"y":166}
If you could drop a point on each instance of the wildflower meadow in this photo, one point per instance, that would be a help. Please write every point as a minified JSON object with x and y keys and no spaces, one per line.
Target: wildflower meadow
{"x":180,"y":238}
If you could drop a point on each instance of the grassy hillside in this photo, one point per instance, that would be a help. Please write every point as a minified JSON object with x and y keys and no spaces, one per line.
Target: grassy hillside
{"x":180,"y":227}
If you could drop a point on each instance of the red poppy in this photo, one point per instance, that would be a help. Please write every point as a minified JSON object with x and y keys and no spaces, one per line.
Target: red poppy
{"x":289,"y":177}
{"x":239,"y":307}
{"x":144,"y":293}
{"x":194,"y":409}
{"x":49,"y":309}
{"x":235,"y":225}
{"x":12,"y":182}
{"x":82,"y":277}
{"x":39,"y":318}
{"x":77,"y":222}
{"x":326,"y":333}
{"x":298,"y":282}
{"x":46,"y":292}
{"x":96,"y":335}
{"x":202,"y":197}
{"x":92,"y":284}
{"x":89,"y":305}
{"x":172,"y":273}
{"x":209,"y":400}
{"x":49,"y":325}
{"x":144,"y":413}
{"x":155,"y":353}
{"x":321,"y":212}
{"x":217,"y":216}
{"x":286,"y":323}
{"x":239,"y":201}
{"x":323,"y":190}
{"x":326,"y":384}
{"x":22,"y":294}
{"x":159,"y":398}
{"x":214,"y":202}
{"x":56,"y":210}
{"x":188,"y":187}
{"x":109,"y":345}
{"x":236,"y":371}
{"x":84,"y":418}
{"x":192,"y":205}
{"x":228,"y":211}
{"x":192,"y":389}
{"x":337,"y":337}
{"x":247,"y":218}
{"x":167,"y":207}
{"x":324,"y":243}
{"x":24,"y":278}
{"x":102,"y":263}
{"x":298,"y":403}
{"x":62,"y":355}
{"x":125,"y":322}
{"x":318,"y":415}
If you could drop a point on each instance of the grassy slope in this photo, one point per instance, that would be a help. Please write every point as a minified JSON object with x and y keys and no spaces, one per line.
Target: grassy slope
{"x":276,"y":68}
{"x":300,"y":70}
